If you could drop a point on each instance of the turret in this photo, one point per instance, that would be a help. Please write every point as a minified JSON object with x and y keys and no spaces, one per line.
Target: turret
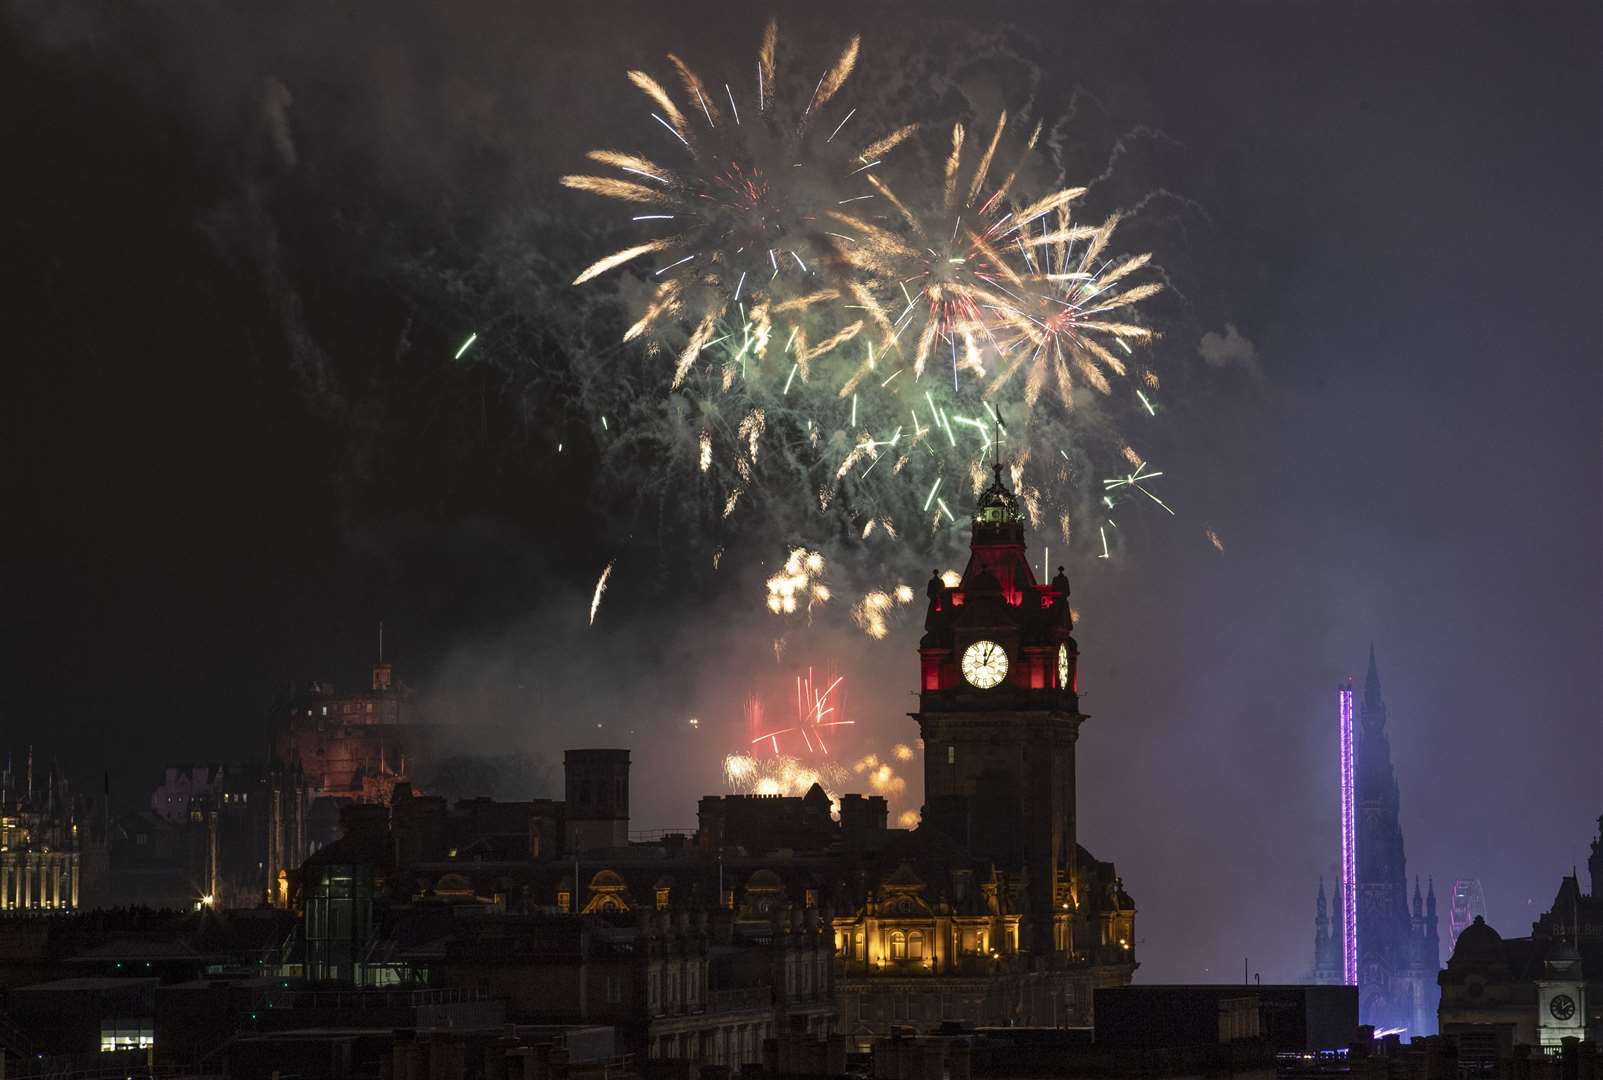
{"x":1595,"y":863}
{"x":597,"y":798}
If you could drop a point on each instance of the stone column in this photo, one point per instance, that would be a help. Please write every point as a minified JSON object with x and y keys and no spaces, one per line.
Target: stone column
{"x":75,"y":863}
{"x":27,"y":891}
{"x":5,"y":885}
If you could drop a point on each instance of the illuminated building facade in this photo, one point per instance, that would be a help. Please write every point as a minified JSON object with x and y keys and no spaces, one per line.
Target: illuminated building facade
{"x":43,"y":841}
{"x":1389,"y":947}
{"x":772,"y":915}
{"x":330,"y":750}
{"x":990,"y":911}
{"x":352,"y":745}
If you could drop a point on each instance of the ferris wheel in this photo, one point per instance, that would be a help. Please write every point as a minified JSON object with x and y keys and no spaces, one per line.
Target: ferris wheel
{"x":1468,"y":902}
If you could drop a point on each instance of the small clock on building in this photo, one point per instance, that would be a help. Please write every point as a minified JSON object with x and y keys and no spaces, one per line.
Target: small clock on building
{"x":1562,"y":1006}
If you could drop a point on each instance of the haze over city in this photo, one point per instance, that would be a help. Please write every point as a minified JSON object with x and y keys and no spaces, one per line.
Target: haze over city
{"x":296,"y":349}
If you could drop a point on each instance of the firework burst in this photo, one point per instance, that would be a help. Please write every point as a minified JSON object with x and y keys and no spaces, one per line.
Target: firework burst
{"x":840,"y":334}
{"x":983,"y":276}
{"x":799,"y":581}
{"x":743,"y":237}
{"x":782,"y":774}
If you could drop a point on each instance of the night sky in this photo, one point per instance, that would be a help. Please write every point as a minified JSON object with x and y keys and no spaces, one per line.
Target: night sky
{"x":241,"y":246}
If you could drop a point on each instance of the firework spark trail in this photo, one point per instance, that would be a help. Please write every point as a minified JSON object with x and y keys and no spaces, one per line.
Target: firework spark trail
{"x":1135,"y":481}
{"x":601,"y":587}
{"x":816,"y":713}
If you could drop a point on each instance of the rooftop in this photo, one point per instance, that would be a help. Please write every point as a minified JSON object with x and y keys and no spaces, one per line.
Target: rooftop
{"x":89,"y":984}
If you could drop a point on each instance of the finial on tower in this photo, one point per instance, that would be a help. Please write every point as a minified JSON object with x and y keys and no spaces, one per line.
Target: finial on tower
{"x":382,"y":672}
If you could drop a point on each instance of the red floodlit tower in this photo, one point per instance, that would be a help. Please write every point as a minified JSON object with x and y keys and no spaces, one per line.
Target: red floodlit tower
{"x":999,"y":713}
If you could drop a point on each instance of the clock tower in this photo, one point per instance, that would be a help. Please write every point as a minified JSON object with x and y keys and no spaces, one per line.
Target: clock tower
{"x":999,"y":716}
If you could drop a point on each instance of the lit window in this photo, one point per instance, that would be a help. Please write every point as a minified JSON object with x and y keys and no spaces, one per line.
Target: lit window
{"x":915,"y":946}
{"x":126,"y":1034}
{"x":898,"y":945}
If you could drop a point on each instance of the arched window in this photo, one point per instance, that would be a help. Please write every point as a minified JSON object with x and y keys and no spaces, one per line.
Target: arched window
{"x":915,"y":945}
{"x":898,"y":945}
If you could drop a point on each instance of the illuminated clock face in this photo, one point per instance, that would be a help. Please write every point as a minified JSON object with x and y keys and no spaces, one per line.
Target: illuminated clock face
{"x":985,"y":664}
{"x":1063,"y":667}
{"x":1562,"y":1007}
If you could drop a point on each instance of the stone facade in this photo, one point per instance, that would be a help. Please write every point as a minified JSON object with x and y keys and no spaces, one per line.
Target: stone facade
{"x":49,"y":842}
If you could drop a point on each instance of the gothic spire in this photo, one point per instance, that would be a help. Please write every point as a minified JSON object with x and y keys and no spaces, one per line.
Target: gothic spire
{"x":1374,"y":708}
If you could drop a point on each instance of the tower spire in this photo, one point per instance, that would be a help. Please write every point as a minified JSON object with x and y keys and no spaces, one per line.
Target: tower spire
{"x":381,"y":671}
{"x":1374,"y":707}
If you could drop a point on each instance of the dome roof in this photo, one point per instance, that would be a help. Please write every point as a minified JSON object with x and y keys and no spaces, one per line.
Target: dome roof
{"x":1563,"y":952}
{"x":1478,"y":943}
{"x":997,"y":505}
